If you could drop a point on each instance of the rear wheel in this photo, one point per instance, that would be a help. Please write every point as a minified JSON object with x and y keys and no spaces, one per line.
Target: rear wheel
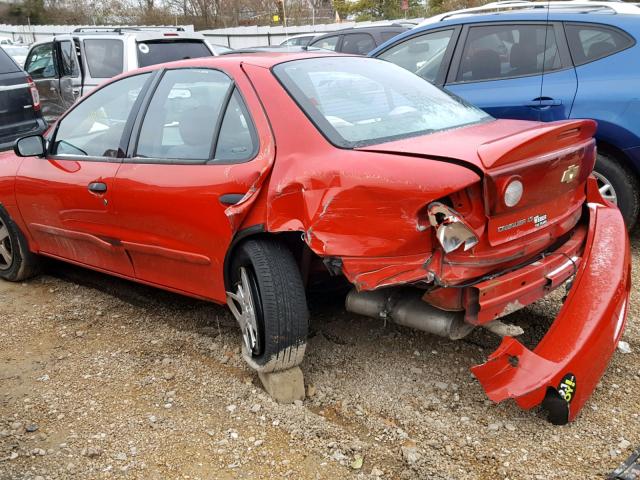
{"x":618,"y":185}
{"x":267,"y":298}
{"x":17,"y":263}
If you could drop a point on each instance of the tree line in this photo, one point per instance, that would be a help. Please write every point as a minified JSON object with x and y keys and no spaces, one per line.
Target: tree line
{"x":218,"y":13}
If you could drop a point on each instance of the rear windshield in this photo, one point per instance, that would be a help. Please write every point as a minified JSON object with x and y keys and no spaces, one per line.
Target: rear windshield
{"x":6,"y":64}
{"x":153,"y":53}
{"x":362,"y":101}
{"x":104,"y":57}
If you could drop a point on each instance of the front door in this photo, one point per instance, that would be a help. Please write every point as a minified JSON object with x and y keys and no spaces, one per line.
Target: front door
{"x":198,"y":151}
{"x":499,"y":68}
{"x":66,"y":198}
{"x":70,"y":79}
{"x":42,"y":66}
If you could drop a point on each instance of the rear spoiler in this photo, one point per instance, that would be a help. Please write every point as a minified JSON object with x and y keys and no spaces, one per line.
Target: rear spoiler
{"x":535,"y":141}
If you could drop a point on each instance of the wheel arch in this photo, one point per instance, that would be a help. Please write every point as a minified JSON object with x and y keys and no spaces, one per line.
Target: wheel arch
{"x":611,"y":150}
{"x":292,"y":239}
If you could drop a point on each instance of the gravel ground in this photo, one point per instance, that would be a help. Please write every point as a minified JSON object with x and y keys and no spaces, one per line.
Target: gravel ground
{"x":102,"y":378}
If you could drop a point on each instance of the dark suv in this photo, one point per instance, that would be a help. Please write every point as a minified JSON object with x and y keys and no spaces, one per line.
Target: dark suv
{"x":19,"y":103}
{"x":357,"y":40}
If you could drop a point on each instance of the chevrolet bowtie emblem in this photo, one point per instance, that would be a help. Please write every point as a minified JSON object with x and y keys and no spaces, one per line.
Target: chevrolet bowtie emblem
{"x":570,"y":174}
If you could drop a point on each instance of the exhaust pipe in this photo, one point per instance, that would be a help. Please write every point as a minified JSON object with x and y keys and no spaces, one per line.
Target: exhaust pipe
{"x":406,"y":307}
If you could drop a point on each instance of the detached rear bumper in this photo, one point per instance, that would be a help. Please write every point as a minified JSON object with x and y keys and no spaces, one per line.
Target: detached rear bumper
{"x":565,"y":367}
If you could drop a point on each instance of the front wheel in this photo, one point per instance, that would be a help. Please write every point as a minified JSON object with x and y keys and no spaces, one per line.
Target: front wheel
{"x":267,"y":298}
{"x":618,"y":185}
{"x":17,"y":263}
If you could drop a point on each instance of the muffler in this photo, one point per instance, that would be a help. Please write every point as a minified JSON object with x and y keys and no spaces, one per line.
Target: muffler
{"x":406,"y":307}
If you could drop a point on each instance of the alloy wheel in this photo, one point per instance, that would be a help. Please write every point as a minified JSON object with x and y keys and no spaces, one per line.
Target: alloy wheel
{"x":606,"y":188}
{"x":245,"y":307}
{"x":6,"y":247}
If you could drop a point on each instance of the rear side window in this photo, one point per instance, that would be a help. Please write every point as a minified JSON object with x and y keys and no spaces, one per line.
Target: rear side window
{"x":358,"y":43}
{"x":153,"y":53}
{"x":104,"y":57}
{"x":41,"y":63}
{"x":592,"y":42}
{"x":6,"y":64}
{"x":237,"y":140}
{"x":505,"y":51}
{"x":183,"y":115}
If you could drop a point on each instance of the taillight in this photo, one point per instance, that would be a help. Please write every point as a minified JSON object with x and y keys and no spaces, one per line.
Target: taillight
{"x":35,"y":96}
{"x":451,"y":230}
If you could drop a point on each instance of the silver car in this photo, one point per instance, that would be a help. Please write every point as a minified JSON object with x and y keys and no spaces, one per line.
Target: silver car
{"x":70,"y":65}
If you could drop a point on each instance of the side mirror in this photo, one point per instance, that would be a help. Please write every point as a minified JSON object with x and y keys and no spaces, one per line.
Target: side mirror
{"x":31,"y":146}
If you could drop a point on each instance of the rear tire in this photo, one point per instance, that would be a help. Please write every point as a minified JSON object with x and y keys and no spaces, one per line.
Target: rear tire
{"x":618,"y":184}
{"x":17,"y":262}
{"x":267,"y":298}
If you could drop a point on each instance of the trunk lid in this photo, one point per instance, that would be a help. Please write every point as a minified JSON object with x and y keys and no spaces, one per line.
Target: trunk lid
{"x":552,"y":160}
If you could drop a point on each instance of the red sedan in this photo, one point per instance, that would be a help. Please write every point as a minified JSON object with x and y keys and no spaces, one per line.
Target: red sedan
{"x":242,"y":179}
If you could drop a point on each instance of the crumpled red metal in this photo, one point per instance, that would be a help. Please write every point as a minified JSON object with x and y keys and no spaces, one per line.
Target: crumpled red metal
{"x":572,"y":357}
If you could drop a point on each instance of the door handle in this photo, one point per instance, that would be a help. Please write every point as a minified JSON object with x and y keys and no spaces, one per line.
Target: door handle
{"x":544,"y":102}
{"x":229,"y":199}
{"x":97,"y":187}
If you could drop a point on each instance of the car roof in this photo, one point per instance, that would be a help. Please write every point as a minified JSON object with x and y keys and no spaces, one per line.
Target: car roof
{"x":584,"y":15}
{"x":139,"y":33}
{"x":376,"y":28}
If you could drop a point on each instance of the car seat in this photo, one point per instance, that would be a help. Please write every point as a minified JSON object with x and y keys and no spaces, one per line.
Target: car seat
{"x":485,"y":64}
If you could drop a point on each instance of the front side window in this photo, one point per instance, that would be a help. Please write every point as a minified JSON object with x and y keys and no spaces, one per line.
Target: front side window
{"x":329,"y":43}
{"x":358,"y":43}
{"x":592,"y":42}
{"x":67,"y":56}
{"x":41,"y":62}
{"x":94,"y":128}
{"x":297,"y":42}
{"x":182,"y":117}
{"x":505,"y":51}
{"x":421,"y":55}
{"x":155,"y":52}
{"x":359,"y":101}
{"x":104,"y":57}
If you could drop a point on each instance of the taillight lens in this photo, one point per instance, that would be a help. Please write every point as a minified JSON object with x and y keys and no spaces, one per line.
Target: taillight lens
{"x":35,"y":96}
{"x":451,"y":230}
{"x":513,"y":193}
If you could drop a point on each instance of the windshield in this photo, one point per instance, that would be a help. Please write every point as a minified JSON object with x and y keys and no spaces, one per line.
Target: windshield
{"x":362,"y":101}
{"x":153,"y":53}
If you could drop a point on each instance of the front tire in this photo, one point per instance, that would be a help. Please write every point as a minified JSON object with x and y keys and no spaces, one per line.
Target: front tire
{"x":619,"y":185}
{"x":267,"y":298}
{"x":17,"y":262}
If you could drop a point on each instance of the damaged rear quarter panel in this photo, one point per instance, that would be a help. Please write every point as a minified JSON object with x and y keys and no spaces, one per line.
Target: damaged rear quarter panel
{"x":359,"y":206}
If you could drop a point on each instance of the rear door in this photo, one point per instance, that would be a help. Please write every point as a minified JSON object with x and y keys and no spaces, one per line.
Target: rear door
{"x":559,"y":81}
{"x":16,"y":103}
{"x":198,"y":150}
{"x":66,"y":198}
{"x":42,"y":66}
{"x":499,"y":68}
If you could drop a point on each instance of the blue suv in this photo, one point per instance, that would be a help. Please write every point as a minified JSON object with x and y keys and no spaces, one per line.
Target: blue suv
{"x":574,"y":60}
